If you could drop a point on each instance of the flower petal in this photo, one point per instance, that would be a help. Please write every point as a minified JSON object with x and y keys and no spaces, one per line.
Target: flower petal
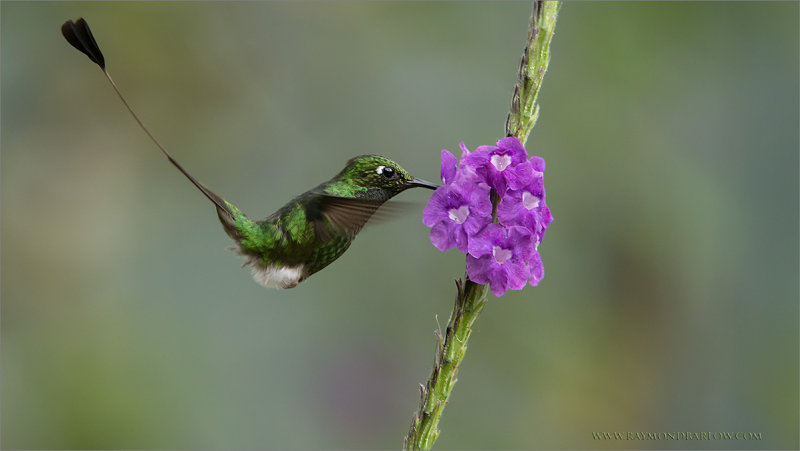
{"x":436,"y":210}
{"x":522,"y":241}
{"x":518,"y":274}
{"x":510,"y":209}
{"x":449,"y":164}
{"x":536,"y":269}
{"x":479,"y":269}
{"x":538,"y":163}
{"x":441,"y":237}
{"x":520,"y":175}
{"x":514,"y":147}
{"x":475,"y":224}
{"x":464,"y":151}
{"x":483,"y":242}
{"x":461,"y":238}
{"x":498,"y":282}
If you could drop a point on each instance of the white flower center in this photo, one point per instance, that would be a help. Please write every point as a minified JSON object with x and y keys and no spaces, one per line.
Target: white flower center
{"x":529,"y":200}
{"x":501,"y":161}
{"x":459,"y":214}
{"x":500,"y":255}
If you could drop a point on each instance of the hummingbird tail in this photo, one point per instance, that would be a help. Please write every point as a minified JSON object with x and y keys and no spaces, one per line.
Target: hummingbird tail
{"x":79,"y":35}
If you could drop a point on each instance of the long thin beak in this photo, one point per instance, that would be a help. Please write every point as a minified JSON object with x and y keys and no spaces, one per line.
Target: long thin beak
{"x":421,"y":183}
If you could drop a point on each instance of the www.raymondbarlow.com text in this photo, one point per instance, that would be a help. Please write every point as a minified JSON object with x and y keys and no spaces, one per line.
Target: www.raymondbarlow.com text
{"x":676,"y":435}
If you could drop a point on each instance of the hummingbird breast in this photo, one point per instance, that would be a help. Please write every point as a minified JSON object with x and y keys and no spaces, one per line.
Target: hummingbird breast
{"x":276,"y":276}
{"x":287,"y":247}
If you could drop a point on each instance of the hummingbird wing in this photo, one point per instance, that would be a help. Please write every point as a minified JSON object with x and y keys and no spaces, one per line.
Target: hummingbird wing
{"x":343,"y":216}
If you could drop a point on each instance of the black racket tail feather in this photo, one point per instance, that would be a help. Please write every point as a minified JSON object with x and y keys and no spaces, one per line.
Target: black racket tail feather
{"x":79,"y":35}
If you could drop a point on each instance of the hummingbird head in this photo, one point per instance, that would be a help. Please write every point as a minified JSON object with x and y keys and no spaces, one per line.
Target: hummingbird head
{"x":379,"y":177}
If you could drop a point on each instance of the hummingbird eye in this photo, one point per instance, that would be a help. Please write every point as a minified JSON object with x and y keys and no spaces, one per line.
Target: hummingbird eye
{"x":386,"y":171}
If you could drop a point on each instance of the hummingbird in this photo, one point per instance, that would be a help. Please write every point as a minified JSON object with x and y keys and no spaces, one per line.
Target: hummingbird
{"x":311,"y":230}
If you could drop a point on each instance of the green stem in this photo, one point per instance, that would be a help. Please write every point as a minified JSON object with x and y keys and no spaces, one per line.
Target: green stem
{"x":535,"y":58}
{"x":469,"y":302}
{"x":470,"y":296}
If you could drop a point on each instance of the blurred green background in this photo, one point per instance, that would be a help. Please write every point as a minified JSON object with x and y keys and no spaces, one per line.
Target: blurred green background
{"x":670,"y":302}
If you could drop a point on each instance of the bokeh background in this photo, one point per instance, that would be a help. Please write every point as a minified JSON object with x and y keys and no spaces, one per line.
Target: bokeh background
{"x":670,"y":302}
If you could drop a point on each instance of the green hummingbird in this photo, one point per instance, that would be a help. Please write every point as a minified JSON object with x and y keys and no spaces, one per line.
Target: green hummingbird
{"x":311,"y":230}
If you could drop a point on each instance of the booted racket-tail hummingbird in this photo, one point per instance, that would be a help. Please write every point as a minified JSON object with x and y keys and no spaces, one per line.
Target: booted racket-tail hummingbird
{"x":311,"y":230}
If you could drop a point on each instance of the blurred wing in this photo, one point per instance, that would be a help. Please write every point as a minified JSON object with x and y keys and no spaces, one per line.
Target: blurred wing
{"x":392,"y":209}
{"x":345,"y":216}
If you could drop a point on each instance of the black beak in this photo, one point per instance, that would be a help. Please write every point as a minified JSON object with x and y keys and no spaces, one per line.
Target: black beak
{"x":421,"y":183}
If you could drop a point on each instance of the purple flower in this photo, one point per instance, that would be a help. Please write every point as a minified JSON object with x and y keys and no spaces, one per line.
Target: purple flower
{"x":526,"y":207}
{"x":498,"y":256}
{"x":457,"y":211}
{"x":503,"y":255}
{"x":502,"y":166}
{"x":452,"y":169}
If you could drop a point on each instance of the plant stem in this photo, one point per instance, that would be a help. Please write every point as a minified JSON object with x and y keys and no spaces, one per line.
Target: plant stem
{"x":471,"y":297}
{"x":535,"y":58}
{"x":469,"y":302}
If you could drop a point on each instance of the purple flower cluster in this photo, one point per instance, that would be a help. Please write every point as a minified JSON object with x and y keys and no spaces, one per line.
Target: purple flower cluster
{"x":505,"y":255}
